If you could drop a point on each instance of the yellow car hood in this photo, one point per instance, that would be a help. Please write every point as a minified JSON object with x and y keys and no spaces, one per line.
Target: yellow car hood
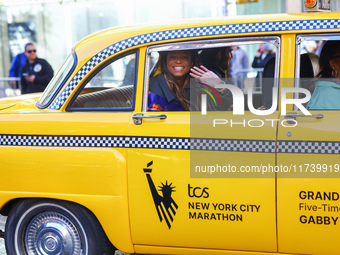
{"x":24,"y":103}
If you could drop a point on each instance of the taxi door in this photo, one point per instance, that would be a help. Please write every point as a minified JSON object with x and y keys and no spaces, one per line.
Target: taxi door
{"x":308,"y":196}
{"x":175,"y":201}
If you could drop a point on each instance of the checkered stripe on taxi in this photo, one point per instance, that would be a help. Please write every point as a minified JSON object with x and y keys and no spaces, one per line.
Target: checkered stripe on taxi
{"x":175,"y":143}
{"x":96,"y":141}
{"x":190,"y":33}
{"x":207,"y":144}
{"x":314,"y":147}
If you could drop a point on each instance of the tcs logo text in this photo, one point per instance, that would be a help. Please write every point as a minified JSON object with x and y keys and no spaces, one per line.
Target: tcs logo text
{"x":198,"y":192}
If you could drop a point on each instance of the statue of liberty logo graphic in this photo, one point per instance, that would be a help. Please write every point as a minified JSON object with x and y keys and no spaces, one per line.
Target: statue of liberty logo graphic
{"x":165,"y":205}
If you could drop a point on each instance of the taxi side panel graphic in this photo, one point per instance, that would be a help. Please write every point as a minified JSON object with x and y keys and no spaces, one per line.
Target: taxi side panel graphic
{"x":165,"y":205}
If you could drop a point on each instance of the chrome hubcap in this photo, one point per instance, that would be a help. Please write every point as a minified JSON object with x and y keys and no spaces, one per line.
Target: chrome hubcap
{"x":51,"y":233}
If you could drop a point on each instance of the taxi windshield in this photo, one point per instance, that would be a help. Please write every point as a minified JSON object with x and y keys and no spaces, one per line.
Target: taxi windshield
{"x":55,"y":83}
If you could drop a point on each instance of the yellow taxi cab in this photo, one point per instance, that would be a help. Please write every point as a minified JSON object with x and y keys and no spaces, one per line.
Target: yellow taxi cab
{"x":88,"y":168}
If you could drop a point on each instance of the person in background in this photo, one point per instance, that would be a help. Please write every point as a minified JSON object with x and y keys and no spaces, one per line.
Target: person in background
{"x":15,"y":69}
{"x":262,"y":56}
{"x":239,"y":66}
{"x":309,"y":47}
{"x":327,"y":92}
{"x":129,"y":77}
{"x":36,"y":73}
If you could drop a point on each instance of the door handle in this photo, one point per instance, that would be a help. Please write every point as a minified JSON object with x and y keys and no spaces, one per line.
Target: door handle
{"x":138,"y":117}
{"x":292,"y":116}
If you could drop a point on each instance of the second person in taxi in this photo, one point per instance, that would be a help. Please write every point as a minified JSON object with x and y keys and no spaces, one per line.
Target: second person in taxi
{"x":327,"y":92}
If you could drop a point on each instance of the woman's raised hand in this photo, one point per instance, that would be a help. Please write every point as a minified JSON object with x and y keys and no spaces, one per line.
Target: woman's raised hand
{"x":205,"y":76}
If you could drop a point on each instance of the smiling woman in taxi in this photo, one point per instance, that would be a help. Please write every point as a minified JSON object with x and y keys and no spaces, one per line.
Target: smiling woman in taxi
{"x":170,"y":90}
{"x":327,"y":91}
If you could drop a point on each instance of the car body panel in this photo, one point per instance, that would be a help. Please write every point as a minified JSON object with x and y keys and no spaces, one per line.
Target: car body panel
{"x":119,"y":170}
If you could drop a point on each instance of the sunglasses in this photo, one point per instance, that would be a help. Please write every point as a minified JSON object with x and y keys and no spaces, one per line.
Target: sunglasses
{"x":30,"y":51}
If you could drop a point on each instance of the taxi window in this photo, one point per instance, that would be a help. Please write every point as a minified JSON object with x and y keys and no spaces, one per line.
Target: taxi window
{"x":246,"y":64}
{"x":318,"y":61}
{"x":112,"y":87}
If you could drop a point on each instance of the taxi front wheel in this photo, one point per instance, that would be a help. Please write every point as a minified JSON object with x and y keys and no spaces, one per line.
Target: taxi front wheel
{"x":39,"y":226}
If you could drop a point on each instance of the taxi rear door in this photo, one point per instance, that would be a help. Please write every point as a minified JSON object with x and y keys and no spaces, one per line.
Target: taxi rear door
{"x":308,"y":195}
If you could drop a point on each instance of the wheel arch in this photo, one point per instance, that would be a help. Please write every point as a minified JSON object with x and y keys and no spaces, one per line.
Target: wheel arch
{"x":125,"y":246}
{"x":8,"y":206}
{"x":70,"y":213}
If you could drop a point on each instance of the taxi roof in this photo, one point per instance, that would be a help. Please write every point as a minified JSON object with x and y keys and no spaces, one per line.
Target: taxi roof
{"x":102,"y":46}
{"x":109,"y":36}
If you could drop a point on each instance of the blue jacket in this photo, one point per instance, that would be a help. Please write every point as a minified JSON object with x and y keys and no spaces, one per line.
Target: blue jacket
{"x":326,"y":96}
{"x":17,"y":63}
{"x":160,"y":97}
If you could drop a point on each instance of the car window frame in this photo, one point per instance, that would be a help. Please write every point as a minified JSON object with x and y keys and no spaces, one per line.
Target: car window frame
{"x":208,"y":43}
{"x":99,"y":68}
{"x":61,"y":83}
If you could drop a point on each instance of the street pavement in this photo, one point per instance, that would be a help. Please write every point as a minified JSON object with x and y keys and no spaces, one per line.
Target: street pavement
{"x":2,"y":227}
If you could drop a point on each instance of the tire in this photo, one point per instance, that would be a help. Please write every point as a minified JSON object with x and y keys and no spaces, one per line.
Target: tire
{"x":41,"y":226}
